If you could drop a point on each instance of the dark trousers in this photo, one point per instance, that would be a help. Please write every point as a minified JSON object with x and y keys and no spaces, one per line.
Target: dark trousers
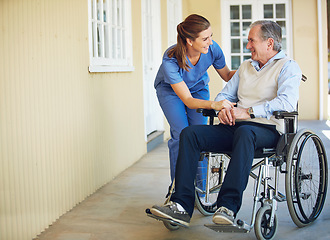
{"x":242,"y":140}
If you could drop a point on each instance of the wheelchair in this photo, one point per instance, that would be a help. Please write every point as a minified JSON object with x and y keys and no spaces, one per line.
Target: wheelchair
{"x":300,"y":155}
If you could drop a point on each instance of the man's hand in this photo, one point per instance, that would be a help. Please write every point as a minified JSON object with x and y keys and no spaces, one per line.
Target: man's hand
{"x":225,"y":116}
{"x":228,"y":116}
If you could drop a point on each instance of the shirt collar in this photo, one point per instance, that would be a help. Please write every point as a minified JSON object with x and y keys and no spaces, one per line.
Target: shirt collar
{"x":279,"y":55}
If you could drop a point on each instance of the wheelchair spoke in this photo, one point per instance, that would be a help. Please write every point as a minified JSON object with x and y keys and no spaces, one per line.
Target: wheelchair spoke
{"x":209,"y":177}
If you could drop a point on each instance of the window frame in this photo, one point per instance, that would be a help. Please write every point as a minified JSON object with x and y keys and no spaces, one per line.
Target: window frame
{"x":257,"y":14}
{"x":116,"y":52}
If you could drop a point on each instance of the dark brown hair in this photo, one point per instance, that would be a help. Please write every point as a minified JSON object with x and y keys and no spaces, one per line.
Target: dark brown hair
{"x":189,"y":28}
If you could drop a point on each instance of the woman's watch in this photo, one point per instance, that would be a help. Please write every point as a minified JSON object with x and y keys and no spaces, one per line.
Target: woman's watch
{"x":250,"y":111}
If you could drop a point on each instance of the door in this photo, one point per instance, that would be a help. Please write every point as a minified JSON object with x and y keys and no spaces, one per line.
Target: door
{"x":151,"y":43}
{"x":174,"y":17}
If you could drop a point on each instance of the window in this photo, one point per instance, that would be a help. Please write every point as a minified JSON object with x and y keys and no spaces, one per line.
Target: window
{"x":110,"y":37}
{"x":237,"y":15}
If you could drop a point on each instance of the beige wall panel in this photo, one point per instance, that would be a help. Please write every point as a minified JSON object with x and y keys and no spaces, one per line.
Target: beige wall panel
{"x":64,"y":132}
{"x":305,"y":51}
{"x":326,"y":113}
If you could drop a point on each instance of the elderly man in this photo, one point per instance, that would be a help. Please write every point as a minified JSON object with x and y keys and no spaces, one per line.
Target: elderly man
{"x":267,"y":82}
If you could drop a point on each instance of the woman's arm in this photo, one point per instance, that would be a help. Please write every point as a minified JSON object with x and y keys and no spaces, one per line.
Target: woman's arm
{"x":184,"y":94}
{"x":225,"y":73}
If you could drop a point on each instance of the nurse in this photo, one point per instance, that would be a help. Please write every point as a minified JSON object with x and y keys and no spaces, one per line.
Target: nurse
{"x":182,"y":79}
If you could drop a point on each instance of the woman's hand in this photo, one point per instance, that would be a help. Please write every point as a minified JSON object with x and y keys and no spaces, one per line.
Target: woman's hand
{"x":222,"y":104}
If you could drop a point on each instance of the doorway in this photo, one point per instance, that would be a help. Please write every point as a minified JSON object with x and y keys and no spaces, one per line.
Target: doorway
{"x":151,"y":43}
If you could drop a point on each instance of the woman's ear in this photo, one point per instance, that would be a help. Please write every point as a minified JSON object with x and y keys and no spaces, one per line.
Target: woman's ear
{"x":189,"y":41}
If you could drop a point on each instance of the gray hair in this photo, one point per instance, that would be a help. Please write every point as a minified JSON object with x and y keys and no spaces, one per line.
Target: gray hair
{"x":270,"y":29}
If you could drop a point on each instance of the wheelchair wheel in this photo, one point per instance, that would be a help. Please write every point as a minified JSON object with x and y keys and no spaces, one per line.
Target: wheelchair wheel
{"x":307,"y":177}
{"x":170,"y":226}
{"x":209,"y":177}
{"x":262,"y":227}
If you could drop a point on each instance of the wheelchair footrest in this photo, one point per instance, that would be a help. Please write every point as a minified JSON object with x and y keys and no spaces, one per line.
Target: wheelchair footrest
{"x":149,"y":214}
{"x":280,"y":198}
{"x":227,"y":228}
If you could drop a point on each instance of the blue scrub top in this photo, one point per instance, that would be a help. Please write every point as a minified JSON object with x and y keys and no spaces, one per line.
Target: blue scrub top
{"x":197,"y":77}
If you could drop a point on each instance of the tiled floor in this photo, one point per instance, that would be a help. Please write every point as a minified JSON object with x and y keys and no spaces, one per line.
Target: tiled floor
{"x":117,"y":211}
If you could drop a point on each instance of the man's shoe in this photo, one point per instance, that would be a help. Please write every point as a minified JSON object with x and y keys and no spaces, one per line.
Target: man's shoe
{"x":170,"y":211}
{"x":224,"y":216}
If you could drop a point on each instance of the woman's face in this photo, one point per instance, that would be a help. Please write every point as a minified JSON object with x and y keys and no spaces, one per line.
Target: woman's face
{"x":204,"y":40}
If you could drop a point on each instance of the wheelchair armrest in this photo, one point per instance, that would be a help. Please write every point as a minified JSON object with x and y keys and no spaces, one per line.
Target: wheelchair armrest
{"x":207,"y":112}
{"x":285,"y":114}
{"x":277,"y":114}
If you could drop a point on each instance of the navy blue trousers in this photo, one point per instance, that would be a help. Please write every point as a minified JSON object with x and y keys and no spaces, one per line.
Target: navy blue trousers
{"x":242,"y":140}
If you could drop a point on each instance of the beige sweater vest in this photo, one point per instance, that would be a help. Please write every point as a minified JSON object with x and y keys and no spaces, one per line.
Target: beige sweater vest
{"x":257,"y":87}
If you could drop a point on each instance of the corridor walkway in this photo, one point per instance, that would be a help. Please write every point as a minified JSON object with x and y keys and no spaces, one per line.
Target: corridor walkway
{"x":117,"y":210}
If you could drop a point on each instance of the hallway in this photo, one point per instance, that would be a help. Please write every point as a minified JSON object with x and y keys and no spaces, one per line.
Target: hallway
{"x":117,"y":210}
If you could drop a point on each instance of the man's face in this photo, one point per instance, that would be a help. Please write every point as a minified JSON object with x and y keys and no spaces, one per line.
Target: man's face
{"x":257,"y":46}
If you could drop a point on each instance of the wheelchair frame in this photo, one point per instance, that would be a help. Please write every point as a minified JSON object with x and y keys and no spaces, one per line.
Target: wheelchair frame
{"x":291,"y":151}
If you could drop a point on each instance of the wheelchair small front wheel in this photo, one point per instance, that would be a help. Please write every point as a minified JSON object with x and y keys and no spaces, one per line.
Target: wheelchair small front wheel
{"x":171,"y":226}
{"x":262,"y":227}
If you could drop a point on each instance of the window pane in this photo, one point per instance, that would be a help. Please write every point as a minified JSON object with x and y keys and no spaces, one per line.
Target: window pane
{"x":284,"y":44}
{"x":119,"y":44}
{"x":282,"y":24}
{"x":235,"y":46}
{"x":246,"y":58}
{"x":93,"y":9}
{"x":123,"y":44}
{"x":106,"y":41}
{"x":245,"y":41}
{"x":235,"y":62}
{"x":246,"y":26}
{"x":118,"y":13}
{"x":246,"y":11}
{"x":234,"y":12}
{"x":280,"y":10}
{"x":105,"y":8}
{"x":94,"y":29}
{"x":99,"y":40}
{"x":234,"y":29}
{"x":268,"y":11}
{"x":113,"y":8}
{"x":99,"y":10}
{"x":123,"y":13}
{"x":113,"y":43}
